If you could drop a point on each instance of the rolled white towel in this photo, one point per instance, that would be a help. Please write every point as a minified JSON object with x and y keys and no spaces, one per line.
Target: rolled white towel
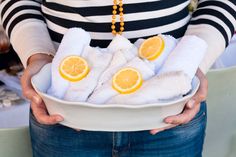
{"x":98,"y":60}
{"x":72,"y":43}
{"x":123,"y":51}
{"x":119,"y":43}
{"x":169,"y":45}
{"x":163,"y":87}
{"x":139,"y":42}
{"x":105,"y":92}
{"x":186,"y":56}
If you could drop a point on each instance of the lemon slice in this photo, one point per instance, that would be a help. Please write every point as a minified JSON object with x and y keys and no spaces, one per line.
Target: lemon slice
{"x":74,"y":68}
{"x":152,"y":48}
{"x":127,"y":80}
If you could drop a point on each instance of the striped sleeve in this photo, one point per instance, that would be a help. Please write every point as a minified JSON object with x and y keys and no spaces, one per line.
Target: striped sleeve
{"x":214,"y":21}
{"x":26,"y":28}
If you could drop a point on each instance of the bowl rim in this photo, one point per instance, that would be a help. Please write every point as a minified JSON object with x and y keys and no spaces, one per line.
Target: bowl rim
{"x":90,"y":105}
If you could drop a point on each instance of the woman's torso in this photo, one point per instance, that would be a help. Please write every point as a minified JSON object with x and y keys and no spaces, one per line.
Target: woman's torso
{"x":143,"y":18}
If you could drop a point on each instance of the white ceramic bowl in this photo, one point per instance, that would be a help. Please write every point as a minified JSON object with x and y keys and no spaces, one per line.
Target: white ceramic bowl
{"x":108,"y":117}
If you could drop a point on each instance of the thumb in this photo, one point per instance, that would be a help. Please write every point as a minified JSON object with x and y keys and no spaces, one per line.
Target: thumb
{"x":30,"y":94}
{"x":201,"y":92}
{"x":27,"y":88}
{"x":190,"y":104}
{"x":196,"y":99}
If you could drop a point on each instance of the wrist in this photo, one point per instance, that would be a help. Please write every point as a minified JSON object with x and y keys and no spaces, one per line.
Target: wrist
{"x":45,"y":58}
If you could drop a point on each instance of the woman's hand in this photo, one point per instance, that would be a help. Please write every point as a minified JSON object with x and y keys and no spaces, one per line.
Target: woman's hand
{"x":35,"y":63}
{"x":192,"y":107}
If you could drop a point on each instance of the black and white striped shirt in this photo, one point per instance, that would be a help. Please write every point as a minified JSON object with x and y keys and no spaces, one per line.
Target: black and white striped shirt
{"x":33,"y":26}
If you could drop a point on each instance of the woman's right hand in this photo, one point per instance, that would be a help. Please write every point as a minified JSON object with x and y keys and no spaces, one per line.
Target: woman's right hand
{"x":35,"y":63}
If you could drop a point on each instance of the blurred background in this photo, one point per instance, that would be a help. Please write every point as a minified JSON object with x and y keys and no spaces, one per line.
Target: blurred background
{"x":8,"y":57}
{"x":14,"y":109}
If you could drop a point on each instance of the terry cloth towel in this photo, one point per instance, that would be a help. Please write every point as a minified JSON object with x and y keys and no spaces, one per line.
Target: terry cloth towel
{"x":170,"y":43}
{"x":123,"y":51}
{"x":105,"y":92}
{"x":186,"y":56}
{"x":165,"y":87}
{"x":72,"y":43}
{"x":98,"y":60}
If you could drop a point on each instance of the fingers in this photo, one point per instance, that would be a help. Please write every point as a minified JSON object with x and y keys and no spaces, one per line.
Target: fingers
{"x":27,"y":88}
{"x":190,"y":104}
{"x":40,"y":113}
{"x":186,"y":116}
{"x":203,"y":88}
{"x":155,"y":131}
{"x":192,"y":107}
{"x":76,"y":129}
{"x":201,"y":94}
{"x":31,"y":70}
{"x":36,"y":62}
{"x":183,"y":118}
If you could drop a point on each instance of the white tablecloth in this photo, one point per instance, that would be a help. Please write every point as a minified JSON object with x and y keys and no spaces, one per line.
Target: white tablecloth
{"x":14,"y":116}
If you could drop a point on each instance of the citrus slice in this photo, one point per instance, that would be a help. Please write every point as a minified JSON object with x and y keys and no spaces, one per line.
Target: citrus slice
{"x":73,"y":68}
{"x":152,"y":48}
{"x":127,"y":80}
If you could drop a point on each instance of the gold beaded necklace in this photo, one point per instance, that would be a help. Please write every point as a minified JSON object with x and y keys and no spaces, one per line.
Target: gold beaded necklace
{"x":114,"y":13}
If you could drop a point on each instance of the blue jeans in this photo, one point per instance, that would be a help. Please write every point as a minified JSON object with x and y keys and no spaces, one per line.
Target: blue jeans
{"x":60,"y":141}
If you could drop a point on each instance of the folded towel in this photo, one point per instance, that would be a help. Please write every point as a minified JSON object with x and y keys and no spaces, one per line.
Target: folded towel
{"x":72,"y":43}
{"x":186,"y":56}
{"x":163,"y":87}
{"x":170,"y":43}
{"x":102,"y":94}
{"x":98,"y":60}
{"x":139,"y":42}
{"x":119,"y":43}
{"x":123,"y":51}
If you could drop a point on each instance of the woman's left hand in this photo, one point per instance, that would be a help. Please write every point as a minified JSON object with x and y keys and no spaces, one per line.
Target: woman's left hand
{"x":192,"y":107}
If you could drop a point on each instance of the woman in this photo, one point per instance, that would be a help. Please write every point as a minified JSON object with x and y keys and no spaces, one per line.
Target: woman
{"x":36,"y":28}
